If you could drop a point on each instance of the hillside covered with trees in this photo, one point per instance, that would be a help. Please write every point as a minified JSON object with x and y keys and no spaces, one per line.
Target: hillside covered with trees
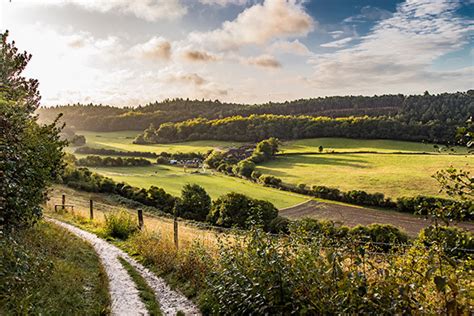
{"x":446,"y":108}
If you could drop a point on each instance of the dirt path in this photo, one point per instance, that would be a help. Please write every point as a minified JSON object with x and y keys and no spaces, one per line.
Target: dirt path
{"x":352,"y":216}
{"x":124,"y":295}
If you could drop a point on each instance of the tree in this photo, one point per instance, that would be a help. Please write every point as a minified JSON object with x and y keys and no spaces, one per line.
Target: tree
{"x":235,"y":209}
{"x":265,"y":150}
{"x":194,"y":204}
{"x":160,"y":199}
{"x":244,"y":168}
{"x":31,"y":154}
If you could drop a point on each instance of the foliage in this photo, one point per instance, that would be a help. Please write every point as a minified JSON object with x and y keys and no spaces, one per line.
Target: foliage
{"x":262,"y":274}
{"x":454,"y":241}
{"x":78,"y":140}
{"x":120,"y":225}
{"x":30,"y":154}
{"x":456,"y":183}
{"x":97,"y":161}
{"x":194,"y":204}
{"x":234,"y":209}
{"x":45,"y":270}
{"x":112,"y":152}
{"x":244,"y":168}
{"x":265,"y":150}
{"x":448,"y":109}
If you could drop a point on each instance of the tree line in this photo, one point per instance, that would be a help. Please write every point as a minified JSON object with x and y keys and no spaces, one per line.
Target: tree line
{"x":445,"y":108}
{"x":97,"y":161}
{"x":258,"y":127}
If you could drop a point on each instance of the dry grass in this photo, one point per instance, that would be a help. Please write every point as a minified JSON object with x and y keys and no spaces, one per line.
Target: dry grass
{"x":188,"y":233}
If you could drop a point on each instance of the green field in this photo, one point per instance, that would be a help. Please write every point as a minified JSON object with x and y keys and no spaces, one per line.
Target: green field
{"x":394,"y":175}
{"x":123,"y":141}
{"x":172,"y":180}
{"x":352,"y":145}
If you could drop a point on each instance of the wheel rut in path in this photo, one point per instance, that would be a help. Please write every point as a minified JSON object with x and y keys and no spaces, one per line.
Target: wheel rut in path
{"x":124,"y":295}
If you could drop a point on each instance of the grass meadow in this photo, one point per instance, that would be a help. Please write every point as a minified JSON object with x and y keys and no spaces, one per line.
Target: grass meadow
{"x":394,"y":175}
{"x":172,"y":179}
{"x":353,"y":145}
{"x":390,"y":173}
{"x":123,"y":141}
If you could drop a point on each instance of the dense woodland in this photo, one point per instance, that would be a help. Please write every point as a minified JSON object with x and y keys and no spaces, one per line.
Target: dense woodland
{"x":446,"y":108}
{"x":258,"y":127}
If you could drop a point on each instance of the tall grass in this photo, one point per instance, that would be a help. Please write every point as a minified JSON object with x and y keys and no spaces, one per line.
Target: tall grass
{"x":45,"y":270}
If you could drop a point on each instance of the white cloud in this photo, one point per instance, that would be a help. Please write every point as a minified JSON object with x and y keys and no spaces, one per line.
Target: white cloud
{"x":369,"y":13}
{"x":260,"y":24}
{"x":337,"y":44}
{"x":291,"y":47}
{"x":266,"y":61}
{"x":398,"y":53}
{"x":224,"y":3}
{"x":150,"y":10}
{"x":155,"y":49}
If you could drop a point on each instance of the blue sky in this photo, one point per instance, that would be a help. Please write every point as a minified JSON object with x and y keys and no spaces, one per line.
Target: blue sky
{"x":122,"y":52}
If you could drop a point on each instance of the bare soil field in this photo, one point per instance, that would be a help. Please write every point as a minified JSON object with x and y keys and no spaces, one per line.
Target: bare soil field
{"x":353,"y":215}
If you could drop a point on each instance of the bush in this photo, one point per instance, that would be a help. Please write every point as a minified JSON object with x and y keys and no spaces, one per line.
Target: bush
{"x":194,"y":204}
{"x":120,"y":225}
{"x":234,"y":209}
{"x":270,"y":180}
{"x":453,"y":240}
{"x":244,"y":168}
{"x":379,"y":236}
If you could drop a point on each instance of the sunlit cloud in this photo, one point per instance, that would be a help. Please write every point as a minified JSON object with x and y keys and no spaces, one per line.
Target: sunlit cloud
{"x":150,"y":10}
{"x":260,"y":24}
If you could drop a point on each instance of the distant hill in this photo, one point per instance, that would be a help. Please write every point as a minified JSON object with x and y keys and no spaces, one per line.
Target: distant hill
{"x":449,"y":108}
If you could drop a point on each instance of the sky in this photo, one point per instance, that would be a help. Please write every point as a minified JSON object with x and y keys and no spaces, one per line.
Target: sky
{"x":131,"y":52}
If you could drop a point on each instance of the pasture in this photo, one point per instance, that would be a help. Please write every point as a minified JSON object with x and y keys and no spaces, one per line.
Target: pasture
{"x":122,"y":141}
{"x":394,"y":175}
{"x":172,"y":179}
{"x":357,"y":145}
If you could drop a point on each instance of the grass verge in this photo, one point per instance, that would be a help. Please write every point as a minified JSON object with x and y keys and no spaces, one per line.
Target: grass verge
{"x":146,"y":293}
{"x":46,"y":270}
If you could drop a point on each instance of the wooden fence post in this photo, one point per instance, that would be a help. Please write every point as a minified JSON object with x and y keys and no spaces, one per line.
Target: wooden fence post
{"x":91,"y":207}
{"x":140,"y":219}
{"x":175,"y":229}
{"x":64,"y":201}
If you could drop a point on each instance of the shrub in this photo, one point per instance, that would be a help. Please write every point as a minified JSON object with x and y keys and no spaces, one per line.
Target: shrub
{"x":379,"y":236}
{"x":270,"y":180}
{"x":157,"y":197}
{"x":234,"y":209}
{"x":194,"y":204}
{"x":120,"y":225}
{"x":454,"y":241}
{"x":244,"y":168}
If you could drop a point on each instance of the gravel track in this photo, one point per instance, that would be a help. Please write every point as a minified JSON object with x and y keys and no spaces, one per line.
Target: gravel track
{"x":123,"y":292}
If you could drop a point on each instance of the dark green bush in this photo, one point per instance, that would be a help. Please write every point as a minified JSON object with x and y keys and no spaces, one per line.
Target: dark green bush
{"x":194,"y":204}
{"x":456,"y":242}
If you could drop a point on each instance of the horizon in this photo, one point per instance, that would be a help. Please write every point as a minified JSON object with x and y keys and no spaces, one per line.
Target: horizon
{"x":124,"y":53}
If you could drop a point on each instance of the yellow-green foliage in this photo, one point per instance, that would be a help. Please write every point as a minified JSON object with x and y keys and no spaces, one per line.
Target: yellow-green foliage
{"x":120,"y":225}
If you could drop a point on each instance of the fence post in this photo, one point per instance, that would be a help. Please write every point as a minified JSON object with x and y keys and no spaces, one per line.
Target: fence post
{"x":91,"y":207}
{"x":64,"y":201}
{"x":175,"y":229}
{"x":140,"y":219}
